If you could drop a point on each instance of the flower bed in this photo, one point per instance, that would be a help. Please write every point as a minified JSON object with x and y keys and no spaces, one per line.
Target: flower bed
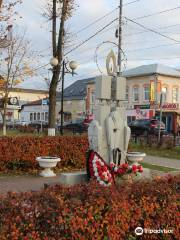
{"x":92,"y":212}
{"x":19,"y":153}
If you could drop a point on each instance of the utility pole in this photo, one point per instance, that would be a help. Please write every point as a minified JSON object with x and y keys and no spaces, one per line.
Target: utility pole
{"x":120,"y":38}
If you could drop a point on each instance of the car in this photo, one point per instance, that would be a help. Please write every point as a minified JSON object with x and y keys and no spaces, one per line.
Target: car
{"x":24,"y":123}
{"x":37,"y":125}
{"x":76,"y":125}
{"x":147,"y":126}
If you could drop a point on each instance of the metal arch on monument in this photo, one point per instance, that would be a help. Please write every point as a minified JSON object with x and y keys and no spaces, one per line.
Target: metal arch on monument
{"x":111,"y":57}
{"x":111,"y":65}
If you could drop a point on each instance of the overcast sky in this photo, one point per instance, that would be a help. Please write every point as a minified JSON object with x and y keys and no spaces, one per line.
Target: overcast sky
{"x":140,"y":46}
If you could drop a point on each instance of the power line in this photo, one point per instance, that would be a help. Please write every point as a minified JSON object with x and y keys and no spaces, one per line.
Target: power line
{"x":152,"y":59}
{"x":128,"y":3}
{"x":89,"y":38}
{"x":104,"y":16}
{"x":152,"y":30}
{"x":97,"y":20}
{"x":157,"y":46}
{"x":157,"y":13}
{"x":141,"y":32}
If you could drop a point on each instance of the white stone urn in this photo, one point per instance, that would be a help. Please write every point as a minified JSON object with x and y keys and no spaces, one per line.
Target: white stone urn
{"x":47,"y":163}
{"x":135,"y":157}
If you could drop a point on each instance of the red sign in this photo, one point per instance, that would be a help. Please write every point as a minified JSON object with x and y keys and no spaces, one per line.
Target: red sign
{"x":166,"y":106}
{"x":172,"y":106}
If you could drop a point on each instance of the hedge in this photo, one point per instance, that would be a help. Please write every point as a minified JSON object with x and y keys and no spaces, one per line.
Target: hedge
{"x":19,"y":153}
{"x":87,"y":212}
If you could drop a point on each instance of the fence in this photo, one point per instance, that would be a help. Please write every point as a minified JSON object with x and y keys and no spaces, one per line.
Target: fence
{"x":153,"y":139}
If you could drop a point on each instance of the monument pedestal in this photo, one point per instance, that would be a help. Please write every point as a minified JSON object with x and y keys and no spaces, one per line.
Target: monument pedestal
{"x":73,"y":178}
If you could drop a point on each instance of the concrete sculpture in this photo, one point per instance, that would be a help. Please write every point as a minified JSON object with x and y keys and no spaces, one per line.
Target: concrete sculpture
{"x":109,"y":134}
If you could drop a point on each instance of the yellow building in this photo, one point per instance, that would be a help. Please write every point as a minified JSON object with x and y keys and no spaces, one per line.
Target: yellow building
{"x":23,"y":96}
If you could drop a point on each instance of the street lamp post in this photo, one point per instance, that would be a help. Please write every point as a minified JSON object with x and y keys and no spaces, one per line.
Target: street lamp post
{"x":73,"y":66}
{"x":54,"y":62}
{"x":160,"y":117}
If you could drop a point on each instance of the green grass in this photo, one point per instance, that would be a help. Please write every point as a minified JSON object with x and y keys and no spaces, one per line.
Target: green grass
{"x":157,"y":151}
{"x":158,"y":168}
{"x":16,"y":133}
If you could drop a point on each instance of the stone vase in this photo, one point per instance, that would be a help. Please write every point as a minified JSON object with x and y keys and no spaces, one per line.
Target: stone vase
{"x":135,"y":157}
{"x":47,"y":163}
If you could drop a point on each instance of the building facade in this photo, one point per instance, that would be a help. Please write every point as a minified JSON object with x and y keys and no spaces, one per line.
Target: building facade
{"x":144,"y":87}
{"x":23,"y":96}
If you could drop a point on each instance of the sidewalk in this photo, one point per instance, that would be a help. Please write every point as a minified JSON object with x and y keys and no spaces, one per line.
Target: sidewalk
{"x":24,"y":183}
{"x":164,"y":162}
{"x":34,"y":183}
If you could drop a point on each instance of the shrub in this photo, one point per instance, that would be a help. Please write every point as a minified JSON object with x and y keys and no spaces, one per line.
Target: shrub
{"x":92,"y":212}
{"x":19,"y":153}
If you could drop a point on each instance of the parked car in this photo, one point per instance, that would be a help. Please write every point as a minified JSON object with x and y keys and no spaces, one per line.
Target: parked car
{"x":77,"y":125}
{"x":147,"y":126}
{"x":37,"y":125}
{"x":24,"y":123}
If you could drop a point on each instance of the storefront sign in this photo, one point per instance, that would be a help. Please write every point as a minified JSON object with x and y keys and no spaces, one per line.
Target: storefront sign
{"x":146,"y":106}
{"x":170,"y":106}
{"x":15,"y":107}
{"x":152,"y":91}
{"x":166,"y":106}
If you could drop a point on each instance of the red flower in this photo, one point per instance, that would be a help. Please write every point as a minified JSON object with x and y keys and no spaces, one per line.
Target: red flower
{"x":134,"y":168}
{"x":125,"y":165}
{"x":121,"y":171}
{"x":140,"y":168}
{"x":104,"y":168}
{"x":112,"y":165}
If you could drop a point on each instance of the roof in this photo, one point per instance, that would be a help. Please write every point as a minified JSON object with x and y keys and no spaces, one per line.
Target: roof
{"x":151,"y":69}
{"x":27,"y":90}
{"x":33,"y":103}
{"x":77,"y":90}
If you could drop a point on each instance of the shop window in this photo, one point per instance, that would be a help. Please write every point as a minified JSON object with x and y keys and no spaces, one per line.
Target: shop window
{"x":135,"y":94}
{"x":175,"y":95}
{"x":146,"y":93}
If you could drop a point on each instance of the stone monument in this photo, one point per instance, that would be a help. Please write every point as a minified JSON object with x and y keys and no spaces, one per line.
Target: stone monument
{"x":109,"y":134}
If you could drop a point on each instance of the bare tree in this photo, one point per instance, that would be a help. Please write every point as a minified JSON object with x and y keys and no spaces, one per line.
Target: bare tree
{"x":59,"y":13}
{"x":15,"y":68}
{"x":1,"y":3}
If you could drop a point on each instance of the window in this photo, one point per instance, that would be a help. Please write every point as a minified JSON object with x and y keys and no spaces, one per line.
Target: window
{"x":38,"y":116}
{"x":135,"y":94}
{"x":127,"y":93}
{"x":81,"y":103}
{"x":164,"y":90}
{"x":175,"y":95}
{"x":42,"y":116}
{"x":146,"y":93}
{"x":34,"y":116}
{"x":31,"y":117}
{"x":46,"y":116}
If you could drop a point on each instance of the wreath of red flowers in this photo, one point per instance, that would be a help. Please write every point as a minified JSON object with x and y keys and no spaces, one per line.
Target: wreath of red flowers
{"x":100,"y":170}
{"x":104,"y":174}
